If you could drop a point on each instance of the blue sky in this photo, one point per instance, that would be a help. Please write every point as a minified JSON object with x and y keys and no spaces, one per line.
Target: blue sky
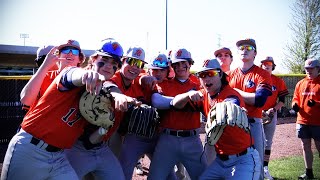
{"x":196,"y":25}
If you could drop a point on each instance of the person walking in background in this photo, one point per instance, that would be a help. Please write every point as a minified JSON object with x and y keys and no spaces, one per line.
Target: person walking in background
{"x":254,"y":85}
{"x":306,"y":102}
{"x":272,"y":106}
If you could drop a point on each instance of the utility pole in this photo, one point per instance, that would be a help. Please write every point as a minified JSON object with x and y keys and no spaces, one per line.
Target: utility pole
{"x":219,"y":40}
{"x":166,"y":24}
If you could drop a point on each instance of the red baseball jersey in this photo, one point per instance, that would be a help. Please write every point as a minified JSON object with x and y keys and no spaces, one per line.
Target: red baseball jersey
{"x":234,"y":139}
{"x":134,"y":90}
{"x":279,"y":89}
{"x":307,"y":89}
{"x":250,"y":81}
{"x":177,"y":119}
{"x":56,"y":117}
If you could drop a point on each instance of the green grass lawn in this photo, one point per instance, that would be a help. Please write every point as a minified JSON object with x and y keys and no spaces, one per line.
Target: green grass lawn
{"x":292,"y":167}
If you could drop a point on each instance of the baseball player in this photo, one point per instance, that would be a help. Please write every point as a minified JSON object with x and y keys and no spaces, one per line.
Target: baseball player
{"x":134,"y":146}
{"x":47,"y":72}
{"x":37,"y":150}
{"x":279,"y":91}
{"x":236,"y":157}
{"x":127,"y":79}
{"x":225,"y":58}
{"x":179,"y":140}
{"x":306,"y":102}
{"x":86,"y":156}
{"x":254,"y":85}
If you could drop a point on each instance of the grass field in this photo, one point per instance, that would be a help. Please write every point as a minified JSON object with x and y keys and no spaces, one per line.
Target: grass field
{"x":292,"y":167}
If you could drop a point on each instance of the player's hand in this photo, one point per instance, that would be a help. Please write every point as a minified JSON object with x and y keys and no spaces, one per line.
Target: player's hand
{"x":123,"y":102}
{"x":195,"y":96}
{"x":51,"y":58}
{"x":93,"y":81}
{"x":148,"y":81}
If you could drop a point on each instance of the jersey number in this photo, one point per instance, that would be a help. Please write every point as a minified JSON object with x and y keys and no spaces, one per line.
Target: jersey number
{"x":67,"y":119}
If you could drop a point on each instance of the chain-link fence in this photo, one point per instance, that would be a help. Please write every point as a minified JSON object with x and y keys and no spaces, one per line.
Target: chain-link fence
{"x":11,"y":113}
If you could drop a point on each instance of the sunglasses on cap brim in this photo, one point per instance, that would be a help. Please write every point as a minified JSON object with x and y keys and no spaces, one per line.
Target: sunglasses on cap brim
{"x":161,"y":64}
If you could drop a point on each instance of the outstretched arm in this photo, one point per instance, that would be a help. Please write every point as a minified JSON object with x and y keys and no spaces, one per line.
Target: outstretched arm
{"x":31,"y":90}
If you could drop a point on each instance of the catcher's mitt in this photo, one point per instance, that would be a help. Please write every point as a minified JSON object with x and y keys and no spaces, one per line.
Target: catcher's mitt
{"x":97,"y":109}
{"x":266,"y":118}
{"x":140,"y":120}
{"x":221,"y":115}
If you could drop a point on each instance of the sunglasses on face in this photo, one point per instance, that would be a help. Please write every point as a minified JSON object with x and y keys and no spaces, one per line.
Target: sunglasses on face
{"x":68,"y":49}
{"x":267,"y":63}
{"x":209,"y":73}
{"x":135,"y":62}
{"x":158,"y":63}
{"x":248,"y":48}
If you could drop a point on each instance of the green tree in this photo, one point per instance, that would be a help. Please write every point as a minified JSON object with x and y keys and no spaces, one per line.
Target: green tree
{"x":305,"y":42}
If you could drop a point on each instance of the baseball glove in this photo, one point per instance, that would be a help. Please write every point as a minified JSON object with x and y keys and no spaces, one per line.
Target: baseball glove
{"x":221,"y":115}
{"x":266,"y":118}
{"x":97,"y":109}
{"x":140,"y":120}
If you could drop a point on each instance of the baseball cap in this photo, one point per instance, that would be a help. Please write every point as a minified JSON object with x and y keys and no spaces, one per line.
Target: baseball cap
{"x":41,"y":53}
{"x":137,"y":53}
{"x":70,"y":43}
{"x":311,"y":63}
{"x":209,"y":64}
{"x":44,"y":50}
{"x":160,"y":62}
{"x":222,"y":49}
{"x":111,"y":48}
{"x":268,"y":59}
{"x":249,"y":41}
{"x":181,"y":55}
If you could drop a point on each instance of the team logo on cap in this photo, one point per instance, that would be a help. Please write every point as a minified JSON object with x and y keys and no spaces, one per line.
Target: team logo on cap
{"x":115,"y":45}
{"x":205,"y":63}
{"x":159,"y":58}
{"x":70,"y":41}
{"x":179,"y":53}
{"x":138,"y":52}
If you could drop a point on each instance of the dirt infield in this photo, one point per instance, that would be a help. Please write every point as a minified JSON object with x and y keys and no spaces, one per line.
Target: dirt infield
{"x":285,"y":144}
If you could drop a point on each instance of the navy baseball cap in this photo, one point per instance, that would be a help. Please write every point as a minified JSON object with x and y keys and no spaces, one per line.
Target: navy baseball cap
{"x":311,"y":63}
{"x":249,"y":41}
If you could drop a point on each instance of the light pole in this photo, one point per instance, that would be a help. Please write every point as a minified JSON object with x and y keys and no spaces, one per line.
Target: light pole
{"x":24,"y":36}
{"x":166,"y":24}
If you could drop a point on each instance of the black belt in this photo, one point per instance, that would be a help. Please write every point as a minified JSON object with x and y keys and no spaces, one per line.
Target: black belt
{"x":224,"y":157}
{"x":251,"y":120}
{"x":181,"y":133}
{"x":45,"y":146}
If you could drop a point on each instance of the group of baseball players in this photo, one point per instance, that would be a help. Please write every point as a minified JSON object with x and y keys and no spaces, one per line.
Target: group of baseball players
{"x":55,"y":141}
